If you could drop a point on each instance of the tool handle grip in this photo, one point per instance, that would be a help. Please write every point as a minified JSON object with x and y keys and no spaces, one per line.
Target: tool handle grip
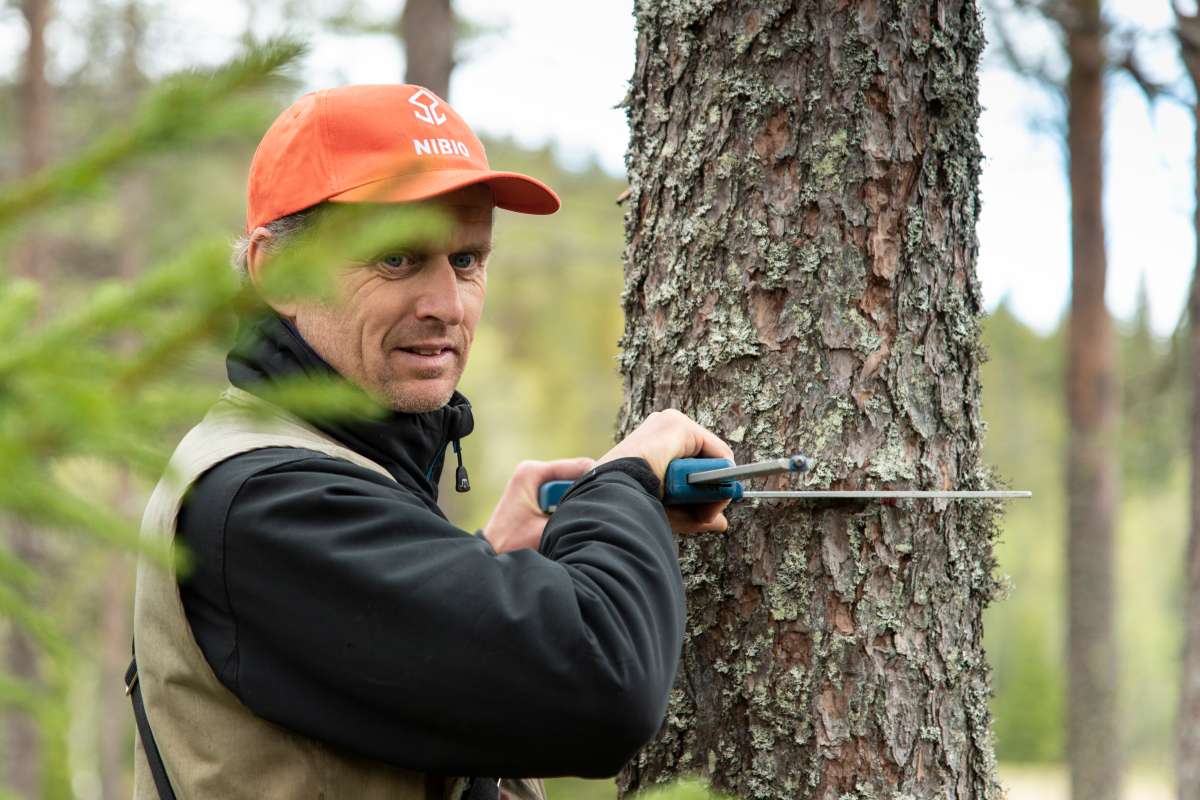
{"x":676,"y":490}
{"x":550,"y":493}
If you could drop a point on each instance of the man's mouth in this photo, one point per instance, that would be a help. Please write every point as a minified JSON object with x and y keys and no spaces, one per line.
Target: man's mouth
{"x":428,"y":354}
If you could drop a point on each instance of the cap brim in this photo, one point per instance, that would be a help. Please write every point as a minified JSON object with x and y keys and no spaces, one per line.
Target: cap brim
{"x":510,"y":190}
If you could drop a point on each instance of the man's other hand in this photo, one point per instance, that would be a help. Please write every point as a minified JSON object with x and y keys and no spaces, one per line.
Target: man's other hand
{"x":517,"y":521}
{"x":663,"y":437}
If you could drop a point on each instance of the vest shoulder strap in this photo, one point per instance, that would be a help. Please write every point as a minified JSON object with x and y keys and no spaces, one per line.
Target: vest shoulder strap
{"x":239,"y":422}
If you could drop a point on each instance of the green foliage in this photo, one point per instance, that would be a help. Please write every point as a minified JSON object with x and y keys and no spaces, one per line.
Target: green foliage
{"x":1023,"y":406}
{"x":97,"y":383}
{"x":182,"y":110}
{"x":575,"y":789}
{"x":1025,"y":410}
{"x":1154,"y":401}
{"x":102,"y":379}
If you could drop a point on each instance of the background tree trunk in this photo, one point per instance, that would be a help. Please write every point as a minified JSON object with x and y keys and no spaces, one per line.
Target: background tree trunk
{"x":1187,"y":764}
{"x":800,"y":277}
{"x":428,"y":29}
{"x":23,"y":749}
{"x":115,"y":718}
{"x":1093,"y":739}
{"x":34,"y":95}
{"x":34,"y":89}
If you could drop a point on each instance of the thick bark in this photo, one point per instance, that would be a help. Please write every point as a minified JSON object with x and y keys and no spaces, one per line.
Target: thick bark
{"x":800,"y":277}
{"x":428,"y":29}
{"x":1093,"y":739}
{"x":1187,"y":764}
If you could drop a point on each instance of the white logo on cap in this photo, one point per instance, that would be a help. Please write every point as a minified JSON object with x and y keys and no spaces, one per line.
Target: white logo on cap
{"x":447,"y":147}
{"x":427,"y":105}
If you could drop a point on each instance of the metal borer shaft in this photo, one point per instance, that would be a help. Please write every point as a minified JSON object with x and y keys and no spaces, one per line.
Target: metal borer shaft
{"x":890,"y":494}
{"x":773,"y":466}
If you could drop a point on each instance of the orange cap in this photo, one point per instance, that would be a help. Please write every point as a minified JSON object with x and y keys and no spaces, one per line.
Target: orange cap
{"x":375,"y":144}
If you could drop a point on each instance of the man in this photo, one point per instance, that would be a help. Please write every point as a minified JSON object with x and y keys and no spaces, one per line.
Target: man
{"x":337,"y":636}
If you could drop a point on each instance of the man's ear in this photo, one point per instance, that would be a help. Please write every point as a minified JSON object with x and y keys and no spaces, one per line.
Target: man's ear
{"x":258,"y":253}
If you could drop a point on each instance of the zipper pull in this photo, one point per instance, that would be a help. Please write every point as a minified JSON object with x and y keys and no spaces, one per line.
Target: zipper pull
{"x":462,"y":483}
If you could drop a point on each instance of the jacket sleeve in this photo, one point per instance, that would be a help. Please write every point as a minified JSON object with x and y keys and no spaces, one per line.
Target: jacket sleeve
{"x":357,"y":615}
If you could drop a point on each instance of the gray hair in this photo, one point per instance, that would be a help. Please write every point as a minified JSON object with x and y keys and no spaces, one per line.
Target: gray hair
{"x":282,"y":231}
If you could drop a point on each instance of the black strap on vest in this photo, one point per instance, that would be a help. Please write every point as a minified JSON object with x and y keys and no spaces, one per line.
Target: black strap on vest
{"x":157,"y":770}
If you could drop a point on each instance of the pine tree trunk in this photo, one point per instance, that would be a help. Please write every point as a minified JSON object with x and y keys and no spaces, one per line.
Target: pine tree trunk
{"x":800,"y":277}
{"x":31,"y":258}
{"x":1187,"y":764}
{"x":23,"y":747}
{"x":428,"y":30}
{"x":1093,"y":739}
{"x":35,"y":89}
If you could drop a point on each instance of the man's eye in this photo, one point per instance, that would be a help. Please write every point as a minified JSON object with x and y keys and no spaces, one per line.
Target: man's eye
{"x":396,"y":260}
{"x":463,"y":260}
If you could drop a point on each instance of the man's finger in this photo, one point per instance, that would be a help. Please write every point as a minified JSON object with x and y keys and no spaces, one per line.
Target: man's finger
{"x":567,"y":469}
{"x":711,"y":518}
{"x":702,"y":519}
{"x":713,"y":446}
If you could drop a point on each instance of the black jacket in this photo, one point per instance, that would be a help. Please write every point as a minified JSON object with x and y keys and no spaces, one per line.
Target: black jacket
{"x":346,"y":607}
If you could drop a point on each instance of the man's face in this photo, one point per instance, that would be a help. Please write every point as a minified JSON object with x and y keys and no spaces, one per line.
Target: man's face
{"x":402,"y":326}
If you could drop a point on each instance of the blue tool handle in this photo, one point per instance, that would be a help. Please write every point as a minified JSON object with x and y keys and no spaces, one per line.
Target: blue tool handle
{"x":550,"y":493}
{"x":676,"y":490}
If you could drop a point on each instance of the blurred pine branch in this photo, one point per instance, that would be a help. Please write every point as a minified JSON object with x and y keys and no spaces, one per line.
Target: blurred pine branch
{"x":94,"y":385}
{"x":182,"y":110}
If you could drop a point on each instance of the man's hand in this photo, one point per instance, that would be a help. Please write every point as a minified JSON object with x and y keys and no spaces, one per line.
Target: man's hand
{"x":663,"y":437}
{"x":517,"y":521}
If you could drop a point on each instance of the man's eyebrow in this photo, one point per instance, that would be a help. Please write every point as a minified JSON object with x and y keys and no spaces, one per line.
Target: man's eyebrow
{"x":481,"y":247}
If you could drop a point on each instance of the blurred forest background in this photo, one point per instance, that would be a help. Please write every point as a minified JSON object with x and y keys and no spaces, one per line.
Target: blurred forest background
{"x":99,"y":253}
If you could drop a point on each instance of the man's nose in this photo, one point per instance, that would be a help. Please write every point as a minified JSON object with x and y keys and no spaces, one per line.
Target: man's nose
{"x":440,"y":296}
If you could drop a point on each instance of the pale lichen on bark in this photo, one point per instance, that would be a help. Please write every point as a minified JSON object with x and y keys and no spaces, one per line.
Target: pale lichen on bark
{"x":800,"y":277}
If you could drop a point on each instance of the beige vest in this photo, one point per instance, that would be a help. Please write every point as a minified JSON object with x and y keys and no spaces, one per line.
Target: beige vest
{"x":211,"y":745}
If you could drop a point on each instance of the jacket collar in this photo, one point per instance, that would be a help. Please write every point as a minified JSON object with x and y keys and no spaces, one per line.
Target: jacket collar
{"x":411,"y":447}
